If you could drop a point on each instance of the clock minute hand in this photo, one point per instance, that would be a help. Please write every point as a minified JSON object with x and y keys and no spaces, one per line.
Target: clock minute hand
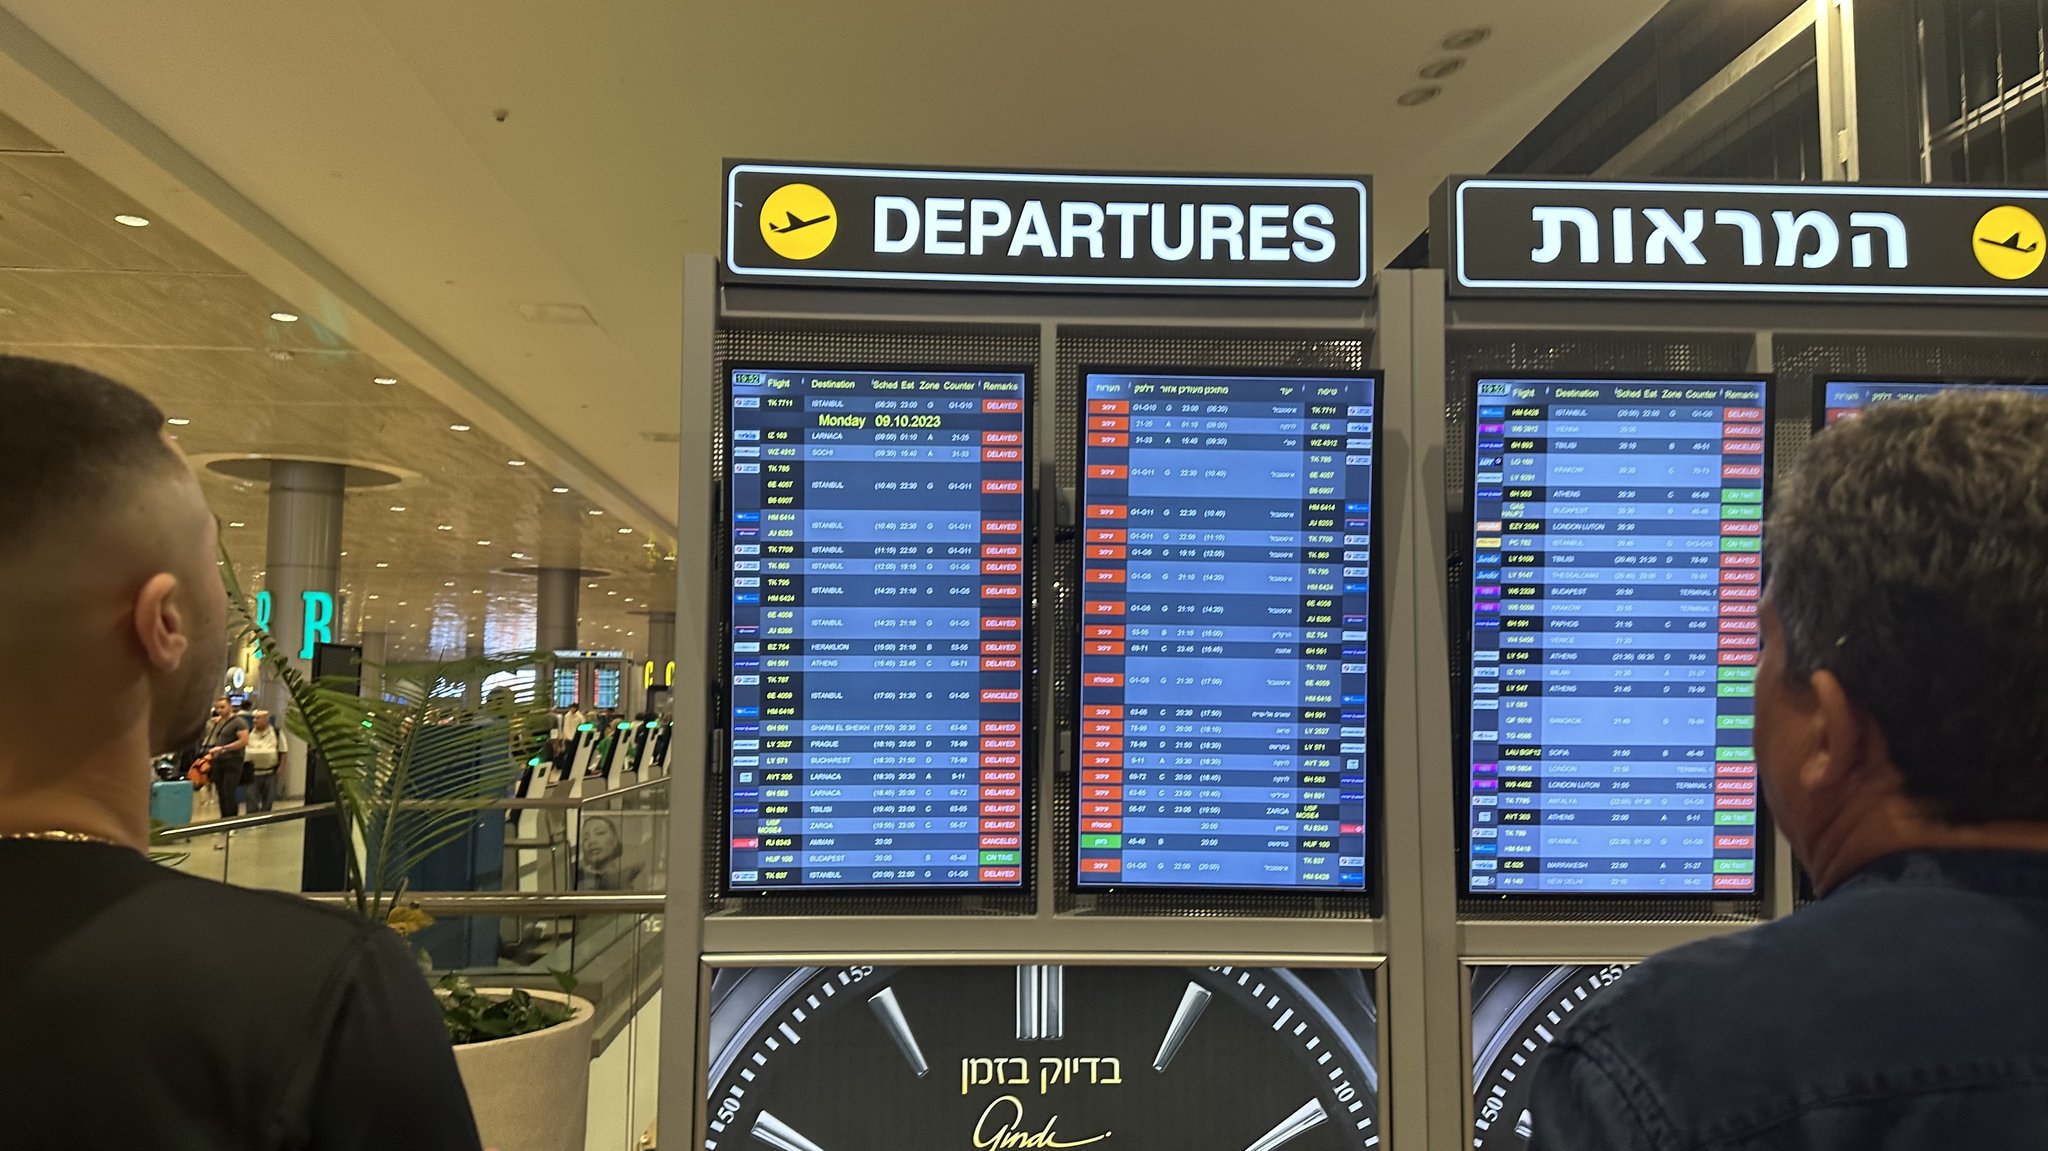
{"x":1306,"y":1117}
{"x":775,"y":1133}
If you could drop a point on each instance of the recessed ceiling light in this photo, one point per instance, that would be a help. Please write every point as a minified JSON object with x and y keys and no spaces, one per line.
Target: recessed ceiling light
{"x":374,"y":597}
{"x":597,"y":511}
{"x":458,"y":427}
{"x":132,"y":221}
{"x":559,"y":491}
{"x":515,"y":463}
{"x":344,"y":553}
{"x":611,"y":593}
{"x":383,"y":565}
{"x":1438,"y":69}
{"x":593,"y":585}
{"x":397,"y":507}
{"x":629,"y":599}
{"x":1420,"y":95}
{"x":284,"y":317}
{"x":237,"y":524}
{"x":483,"y":543}
{"x":519,"y":555}
{"x":444,"y":527}
{"x":1465,"y":38}
{"x":177,"y":421}
{"x":625,"y":531}
{"x":401,"y":603}
{"x":450,"y":583}
{"x":387,"y":381}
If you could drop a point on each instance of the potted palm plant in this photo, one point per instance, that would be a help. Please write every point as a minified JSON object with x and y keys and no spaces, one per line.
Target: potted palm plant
{"x":413,"y":773}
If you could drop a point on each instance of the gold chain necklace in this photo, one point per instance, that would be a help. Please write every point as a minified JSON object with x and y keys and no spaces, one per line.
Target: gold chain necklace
{"x":59,"y":837}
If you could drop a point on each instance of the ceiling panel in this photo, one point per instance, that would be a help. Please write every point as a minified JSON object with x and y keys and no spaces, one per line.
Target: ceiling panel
{"x":154,"y":309}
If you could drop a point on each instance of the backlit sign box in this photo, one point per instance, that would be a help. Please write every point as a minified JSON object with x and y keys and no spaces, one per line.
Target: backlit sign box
{"x":1517,"y":237}
{"x":1046,"y":231}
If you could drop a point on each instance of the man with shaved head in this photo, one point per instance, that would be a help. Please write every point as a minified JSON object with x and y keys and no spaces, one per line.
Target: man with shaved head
{"x":139,"y":1007}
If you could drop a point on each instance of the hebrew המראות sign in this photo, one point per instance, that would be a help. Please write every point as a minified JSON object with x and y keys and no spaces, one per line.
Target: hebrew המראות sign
{"x":1516,"y":237}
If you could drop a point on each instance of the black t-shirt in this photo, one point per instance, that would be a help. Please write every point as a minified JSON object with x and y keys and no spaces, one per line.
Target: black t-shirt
{"x":222,"y":732}
{"x":143,"y":1008}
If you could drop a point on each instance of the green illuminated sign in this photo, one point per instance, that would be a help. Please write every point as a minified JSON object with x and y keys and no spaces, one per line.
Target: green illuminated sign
{"x":319,"y":621}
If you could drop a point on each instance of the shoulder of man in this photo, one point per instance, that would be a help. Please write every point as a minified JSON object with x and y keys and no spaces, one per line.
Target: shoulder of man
{"x":1732,"y":999}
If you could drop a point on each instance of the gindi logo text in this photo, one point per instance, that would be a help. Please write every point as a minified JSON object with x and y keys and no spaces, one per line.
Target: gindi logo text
{"x":798,"y":221}
{"x":2008,"y":242}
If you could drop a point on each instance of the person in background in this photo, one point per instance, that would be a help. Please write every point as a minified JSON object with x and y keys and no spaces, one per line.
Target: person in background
{"x":327,"y":1039}
{"x":225,"y":757}
{"x":567,"y":735}
{"x":264,"y":753}
{"x":1902,"y":743}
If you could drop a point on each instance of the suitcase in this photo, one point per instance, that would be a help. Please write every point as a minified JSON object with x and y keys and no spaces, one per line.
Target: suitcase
{"x":170,"y":803}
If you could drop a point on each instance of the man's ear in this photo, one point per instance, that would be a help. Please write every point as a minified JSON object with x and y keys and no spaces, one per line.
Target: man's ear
{"x":160,"y":625}
{"x":1846,"y":736}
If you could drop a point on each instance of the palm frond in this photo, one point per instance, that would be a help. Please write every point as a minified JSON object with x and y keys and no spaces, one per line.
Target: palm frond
{"x":411,"y":771}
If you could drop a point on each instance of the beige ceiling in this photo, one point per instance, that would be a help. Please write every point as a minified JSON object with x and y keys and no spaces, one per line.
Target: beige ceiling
{"x":153,"y":308}
{"x":412,"y":173}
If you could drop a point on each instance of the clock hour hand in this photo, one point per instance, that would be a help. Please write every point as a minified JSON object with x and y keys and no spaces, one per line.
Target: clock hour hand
{"x":883,"y":1004}
{"x":1193,"y":1002}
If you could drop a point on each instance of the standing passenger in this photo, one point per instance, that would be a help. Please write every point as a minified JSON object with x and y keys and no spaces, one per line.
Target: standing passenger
{"x":1902,"y":743}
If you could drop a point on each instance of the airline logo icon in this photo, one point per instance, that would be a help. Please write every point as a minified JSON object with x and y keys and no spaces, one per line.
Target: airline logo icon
{"x":798,"y":221}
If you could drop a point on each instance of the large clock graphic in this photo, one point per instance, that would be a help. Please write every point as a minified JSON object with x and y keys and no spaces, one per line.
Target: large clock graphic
{"x":1516,"y":1011}
{"x":1043,"y":1056}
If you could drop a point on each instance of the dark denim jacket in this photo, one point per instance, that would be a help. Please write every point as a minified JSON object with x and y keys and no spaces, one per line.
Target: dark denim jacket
{"x":1908,"y":1009}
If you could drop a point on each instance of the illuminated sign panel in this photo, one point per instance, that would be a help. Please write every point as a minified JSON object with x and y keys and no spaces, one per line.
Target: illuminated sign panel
{"x":1046,"y":230}
{"x":1542,"y":237}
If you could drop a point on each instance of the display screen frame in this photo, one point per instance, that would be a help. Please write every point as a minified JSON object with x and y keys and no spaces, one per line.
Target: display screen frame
{"x":1821,"y":381}
{"x":1376,"y":642}
{"x":722,"y":680}
{"x":1460,"y":618}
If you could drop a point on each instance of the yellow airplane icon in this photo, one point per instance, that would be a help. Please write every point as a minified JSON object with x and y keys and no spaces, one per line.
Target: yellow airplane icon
{"x":2009,"y":242}
{"x":798,"y":221}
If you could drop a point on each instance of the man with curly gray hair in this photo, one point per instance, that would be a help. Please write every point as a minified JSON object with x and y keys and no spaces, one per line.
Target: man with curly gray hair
{"x":1902,"y":743}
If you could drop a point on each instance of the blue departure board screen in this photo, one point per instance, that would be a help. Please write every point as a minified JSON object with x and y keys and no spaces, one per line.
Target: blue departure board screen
{"x":1226,"y":612}
{"x":878,"y":626}
{"x":1616,"y":579}
{"x":1841,"y":399}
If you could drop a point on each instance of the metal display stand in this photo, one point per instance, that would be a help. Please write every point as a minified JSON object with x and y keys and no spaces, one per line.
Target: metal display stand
{"x":1417,"y":929}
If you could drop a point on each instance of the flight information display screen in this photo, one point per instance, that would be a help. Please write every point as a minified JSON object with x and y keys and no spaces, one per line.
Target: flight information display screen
{"x":878,"y":624}
{"x":1616,"y":578}
{"x":1225,"y":617}
{"x":1841,"y":399}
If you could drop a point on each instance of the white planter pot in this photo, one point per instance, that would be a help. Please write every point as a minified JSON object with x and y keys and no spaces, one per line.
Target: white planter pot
{"x":532,"y":1092}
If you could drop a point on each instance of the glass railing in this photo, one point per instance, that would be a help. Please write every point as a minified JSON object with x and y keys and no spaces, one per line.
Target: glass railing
{"x":615,"y":840}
